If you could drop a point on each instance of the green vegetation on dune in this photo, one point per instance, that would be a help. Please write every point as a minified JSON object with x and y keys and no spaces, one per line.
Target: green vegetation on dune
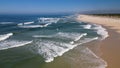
{"x":107,"y":15}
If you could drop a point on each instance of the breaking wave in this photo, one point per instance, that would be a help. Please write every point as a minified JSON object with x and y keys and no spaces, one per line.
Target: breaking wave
{"x":88,"y":26}
{"x":41,"y":22}
{"x":101,"y":31}
{"x":64,"y":35}
{"x":25,"y":23}
{"x":50,"y":49}
{"x":58,"y":36}
{"x":31,"y":26}
{"x":48,"y":20}
{"x":5,"y":36}
{"x":12,"y":43}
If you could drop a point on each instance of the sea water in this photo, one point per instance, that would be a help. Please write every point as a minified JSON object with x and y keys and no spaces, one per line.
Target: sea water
{"x":48,"y":41}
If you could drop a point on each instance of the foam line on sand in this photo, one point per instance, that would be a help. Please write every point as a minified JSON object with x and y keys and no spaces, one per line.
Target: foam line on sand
{"x":110,"y":47}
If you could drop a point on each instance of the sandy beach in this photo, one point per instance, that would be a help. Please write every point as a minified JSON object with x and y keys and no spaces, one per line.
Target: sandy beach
{"x":110,"y":47}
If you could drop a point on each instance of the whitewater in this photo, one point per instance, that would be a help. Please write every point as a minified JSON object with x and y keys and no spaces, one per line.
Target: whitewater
{"x":52,"y":37}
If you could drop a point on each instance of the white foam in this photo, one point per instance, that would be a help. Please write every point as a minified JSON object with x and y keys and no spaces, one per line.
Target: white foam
{"x":46,"y":24}
{"x":79,"y":37}
{"x":64,"y":35}
{"x":72,"y":42}
{"x":31,"y":26}
{"x":101,"y":31}
{"x":45,"y":21}
{"x":51,"y":49}
{"x":72,"y":36}
{"x":48,"y":20}
{"x":25,"y":23}
{"x":88,"y":26}
{"x":86,"y":40}
{"x":28,"y":25}
{"x":5,"y":36}
{"x":41,"y":36}
{"x":12,"y":43}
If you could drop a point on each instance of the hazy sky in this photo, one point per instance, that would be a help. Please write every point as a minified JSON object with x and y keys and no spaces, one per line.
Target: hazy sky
{"x":56,"y":6}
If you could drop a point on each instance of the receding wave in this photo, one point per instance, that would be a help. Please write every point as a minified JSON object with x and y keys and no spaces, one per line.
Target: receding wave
{"x":83,"y":57}
{"x":5,"y":36}
{"x":12,"y":43}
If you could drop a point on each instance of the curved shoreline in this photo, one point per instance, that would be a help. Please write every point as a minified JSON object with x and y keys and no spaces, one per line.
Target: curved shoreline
{"x":110,"y":46}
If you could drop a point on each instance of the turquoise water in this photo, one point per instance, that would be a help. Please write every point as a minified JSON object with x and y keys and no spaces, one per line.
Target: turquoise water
{"x":53,"y":41}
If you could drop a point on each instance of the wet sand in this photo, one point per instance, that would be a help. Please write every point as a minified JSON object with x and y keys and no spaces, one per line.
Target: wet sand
{"x":110,"y":47}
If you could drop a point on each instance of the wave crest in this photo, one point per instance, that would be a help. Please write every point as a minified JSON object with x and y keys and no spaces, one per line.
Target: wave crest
{"x":41,"y":22}
{"x":48,"y":20}
{"x":101,"y":31}
{"x":5,"y":36}
{"x":12,"y":43}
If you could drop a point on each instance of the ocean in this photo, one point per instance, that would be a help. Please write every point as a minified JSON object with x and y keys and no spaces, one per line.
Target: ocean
{"x":48,"y":41}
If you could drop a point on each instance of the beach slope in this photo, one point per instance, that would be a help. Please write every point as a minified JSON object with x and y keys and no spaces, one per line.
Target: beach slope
{"x":110,"y":47}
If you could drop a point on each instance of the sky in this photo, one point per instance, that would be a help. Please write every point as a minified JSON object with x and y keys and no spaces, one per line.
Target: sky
{"x":56,"y":6}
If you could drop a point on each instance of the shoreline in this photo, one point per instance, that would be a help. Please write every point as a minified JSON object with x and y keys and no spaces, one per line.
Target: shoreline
{"x":109,"y":46}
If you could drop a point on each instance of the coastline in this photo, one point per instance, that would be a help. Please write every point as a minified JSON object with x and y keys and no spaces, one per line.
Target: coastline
{"x":109,"y":46}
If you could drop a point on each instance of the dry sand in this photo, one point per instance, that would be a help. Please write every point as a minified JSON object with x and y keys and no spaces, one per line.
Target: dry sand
{"x":110,"y":47}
